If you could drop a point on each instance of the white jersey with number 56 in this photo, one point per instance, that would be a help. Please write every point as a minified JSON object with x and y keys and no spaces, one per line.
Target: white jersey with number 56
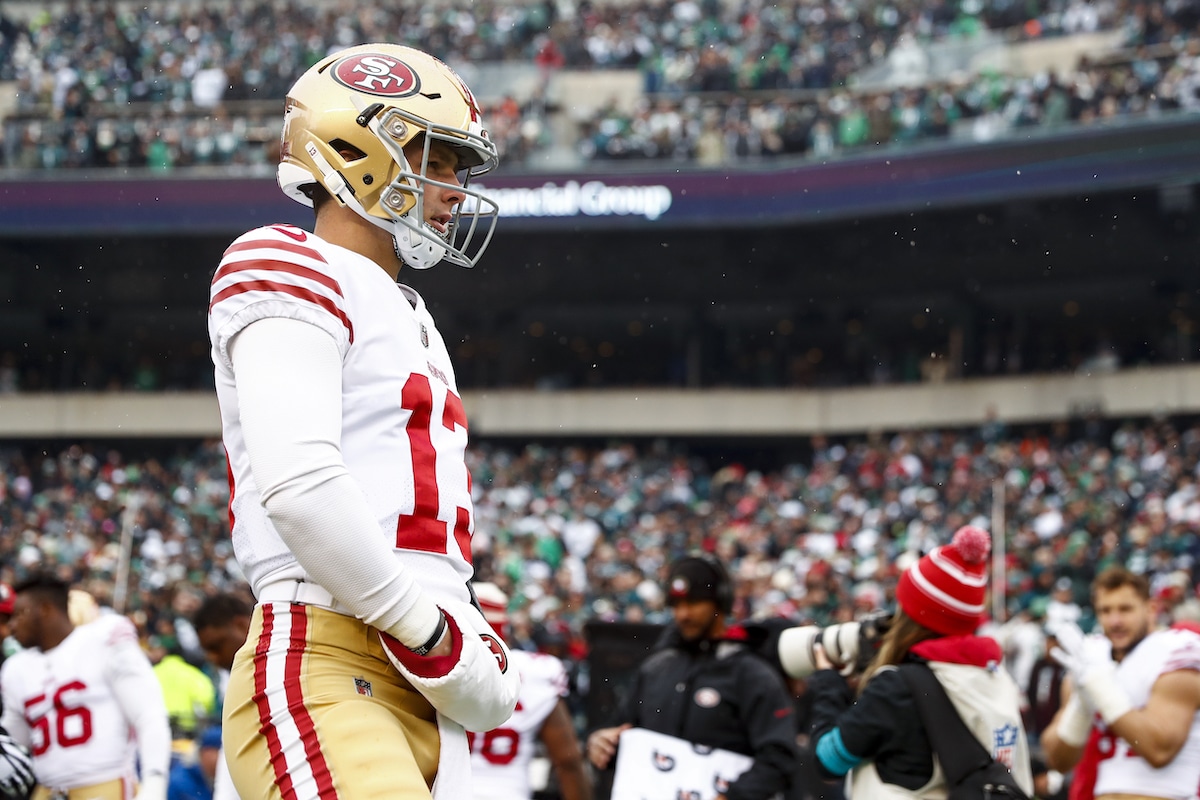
{"x":62,"y":704}
{"x":500,"y":758}
{"x":404,"y":430}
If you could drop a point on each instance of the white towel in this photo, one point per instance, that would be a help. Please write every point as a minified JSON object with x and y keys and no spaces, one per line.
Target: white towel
{"x":453,"y":781}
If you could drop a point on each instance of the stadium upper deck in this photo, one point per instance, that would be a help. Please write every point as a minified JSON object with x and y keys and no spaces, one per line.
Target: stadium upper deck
{"x":172,"y":84}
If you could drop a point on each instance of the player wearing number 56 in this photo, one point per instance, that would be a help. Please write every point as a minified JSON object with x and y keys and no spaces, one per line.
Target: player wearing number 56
{"x":350,"y":497}
{"x":84,"y":700}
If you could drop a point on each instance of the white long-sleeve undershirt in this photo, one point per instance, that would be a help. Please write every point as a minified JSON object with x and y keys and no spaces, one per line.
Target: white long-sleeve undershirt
{"x":289,"y":389}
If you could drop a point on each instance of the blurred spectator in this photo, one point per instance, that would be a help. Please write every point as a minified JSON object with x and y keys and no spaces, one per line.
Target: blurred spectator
{"x":1044,"y":690}
{"x":192,"y":778}
{"x":809,"y":537}
{"x":189,"y":694}
{"x":1062,"y":608}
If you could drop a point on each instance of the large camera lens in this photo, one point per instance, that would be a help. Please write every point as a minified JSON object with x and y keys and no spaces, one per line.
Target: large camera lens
{"x":797,"y":647}
{"x":850,"y":645}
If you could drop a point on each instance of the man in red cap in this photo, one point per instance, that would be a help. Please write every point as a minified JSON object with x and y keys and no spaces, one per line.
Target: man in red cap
{"x":7,"y":598}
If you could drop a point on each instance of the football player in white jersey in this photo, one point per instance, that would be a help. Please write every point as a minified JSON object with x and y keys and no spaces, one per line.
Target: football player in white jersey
{"x":84,"y":700}
{"x":346,"y":435}
{"x":501,"y":757}
{"x":1133,"y":716}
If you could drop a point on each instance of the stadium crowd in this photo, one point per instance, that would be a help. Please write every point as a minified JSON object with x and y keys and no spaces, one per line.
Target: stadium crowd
{"x":579,"y":532}
{"x":170,"y":85}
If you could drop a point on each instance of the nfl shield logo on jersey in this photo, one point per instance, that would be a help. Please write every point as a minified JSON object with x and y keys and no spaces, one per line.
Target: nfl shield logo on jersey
{"x":424,"y":335}
{"x":1005,"y":739}
{"x":363,"y":686}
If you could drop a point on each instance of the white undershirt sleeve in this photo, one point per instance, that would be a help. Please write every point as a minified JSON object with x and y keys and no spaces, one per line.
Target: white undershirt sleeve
{"x":139,"y":694}
{"x":289,"y":389}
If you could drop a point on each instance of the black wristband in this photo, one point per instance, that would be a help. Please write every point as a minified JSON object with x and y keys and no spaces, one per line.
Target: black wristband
{"x":424,"y":649}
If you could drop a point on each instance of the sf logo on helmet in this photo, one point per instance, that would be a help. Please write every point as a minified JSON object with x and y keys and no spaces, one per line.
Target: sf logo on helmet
{"x":377,"y":74}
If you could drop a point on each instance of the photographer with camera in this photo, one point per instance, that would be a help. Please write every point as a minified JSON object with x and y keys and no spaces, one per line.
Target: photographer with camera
{"x":706,"y":687}
{"x":879,"y":737}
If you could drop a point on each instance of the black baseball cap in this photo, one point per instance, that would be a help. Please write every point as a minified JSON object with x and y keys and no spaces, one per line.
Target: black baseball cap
{"x":693,"y":578}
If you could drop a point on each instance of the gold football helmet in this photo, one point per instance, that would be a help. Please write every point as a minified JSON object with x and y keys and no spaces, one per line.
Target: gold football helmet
{"x":346,"y":123}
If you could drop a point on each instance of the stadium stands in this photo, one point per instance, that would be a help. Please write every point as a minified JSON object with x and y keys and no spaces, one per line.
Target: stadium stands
{"x":577,"y":532}
{"x":173,"y":86}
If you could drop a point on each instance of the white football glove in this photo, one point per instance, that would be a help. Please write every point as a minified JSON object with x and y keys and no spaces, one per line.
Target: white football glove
{"x":16,"y":769}
{"x":153,"y":786}
{"x":477,"y":687}
{"x":1089,"y":659}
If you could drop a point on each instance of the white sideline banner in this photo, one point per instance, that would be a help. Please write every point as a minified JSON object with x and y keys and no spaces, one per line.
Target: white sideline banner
{"x":654,"y":766}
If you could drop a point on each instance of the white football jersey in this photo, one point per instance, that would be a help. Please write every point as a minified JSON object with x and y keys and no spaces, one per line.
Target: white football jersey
{"x":404,"y":430}
{"x":63,"y":706}
{"x":1120,"y":770}
{"x":501,"y":757}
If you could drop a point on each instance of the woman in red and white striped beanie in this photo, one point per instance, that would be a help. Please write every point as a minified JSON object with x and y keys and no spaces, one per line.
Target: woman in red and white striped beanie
{"x":879,"y":736}
{"x":945,"y":590}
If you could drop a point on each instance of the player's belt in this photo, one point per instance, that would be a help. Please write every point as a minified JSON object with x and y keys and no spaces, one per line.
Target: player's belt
{"x":305,"y":593}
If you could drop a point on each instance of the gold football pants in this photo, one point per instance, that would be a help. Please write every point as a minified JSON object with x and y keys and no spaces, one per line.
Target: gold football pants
{"x":314,"y":709}
{"x":109,"y":790}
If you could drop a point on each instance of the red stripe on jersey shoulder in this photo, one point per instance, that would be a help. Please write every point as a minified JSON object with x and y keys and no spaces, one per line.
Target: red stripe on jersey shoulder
{"x":288,"y":289}
{"x":272,"y":244}
{"x":279,"y":266}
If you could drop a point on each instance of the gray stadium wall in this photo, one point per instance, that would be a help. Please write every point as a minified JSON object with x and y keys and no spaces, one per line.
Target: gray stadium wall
{"x":713,"y":413}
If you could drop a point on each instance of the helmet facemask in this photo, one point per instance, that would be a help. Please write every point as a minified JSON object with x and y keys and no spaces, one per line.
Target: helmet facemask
{"x":419,"y":244}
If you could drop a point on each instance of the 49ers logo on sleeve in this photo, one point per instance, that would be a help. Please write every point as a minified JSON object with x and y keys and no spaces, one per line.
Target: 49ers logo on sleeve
{"x":497,"y":651}
{"x":377,"y":74}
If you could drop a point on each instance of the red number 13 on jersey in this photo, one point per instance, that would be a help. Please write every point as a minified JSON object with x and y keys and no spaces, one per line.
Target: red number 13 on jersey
{"x":422,"y":530}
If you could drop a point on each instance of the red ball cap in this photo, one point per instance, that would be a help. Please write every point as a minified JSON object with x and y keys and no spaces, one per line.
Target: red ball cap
{"x":7,"y":599}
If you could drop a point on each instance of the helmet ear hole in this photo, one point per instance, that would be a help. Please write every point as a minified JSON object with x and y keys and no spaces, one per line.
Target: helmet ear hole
{"x":347,"y":151}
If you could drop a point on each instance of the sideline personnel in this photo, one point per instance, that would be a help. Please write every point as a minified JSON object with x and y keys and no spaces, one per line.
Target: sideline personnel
{"x":704,"y":685}
{"x":879,"y":736}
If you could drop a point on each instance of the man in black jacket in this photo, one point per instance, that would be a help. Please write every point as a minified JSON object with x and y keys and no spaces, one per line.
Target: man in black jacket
{"x":704,"y":685}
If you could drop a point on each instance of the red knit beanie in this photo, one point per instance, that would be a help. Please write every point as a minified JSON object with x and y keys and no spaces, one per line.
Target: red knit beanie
{"x":944,"y":591}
